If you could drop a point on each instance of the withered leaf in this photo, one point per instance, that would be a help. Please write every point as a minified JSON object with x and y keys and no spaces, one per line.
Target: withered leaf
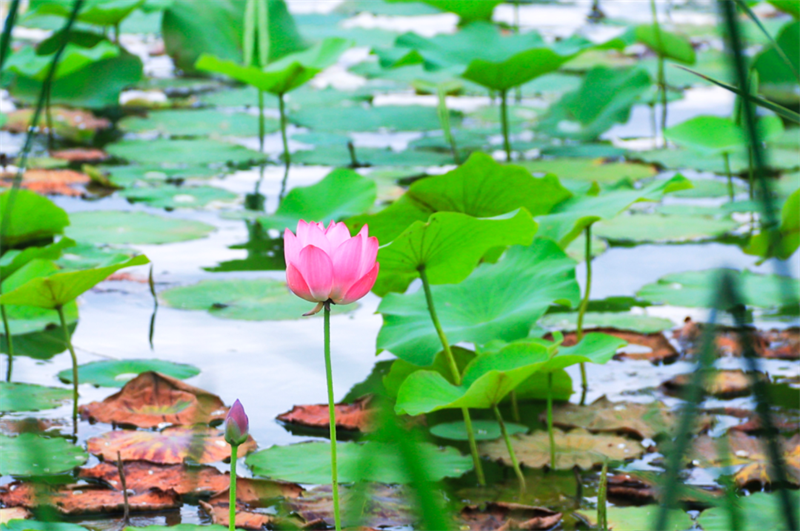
{"x":381,"y":506}
{"x":152,"y":399}
{"x":757,"y":475}
{"x":500,"y":516}
{"x":357,"y":416}
{"x":49,"y":182}
{"x":80,"y":155}
{"x":13,"y":513}
{"x":575,"y":448}
{"x":85,"y":499}
{"x":728,"y":383}
{"x":643,"y":421}
{"x":245,"y":519}
{"x":773,"y":344}
{"x":643,"y":487}
{"x":63,"y":120}
{"x":171,"y":446}
{"x":660,"y":349}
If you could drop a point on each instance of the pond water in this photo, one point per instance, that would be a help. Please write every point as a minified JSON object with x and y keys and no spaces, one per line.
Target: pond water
{"x":273,"y":365}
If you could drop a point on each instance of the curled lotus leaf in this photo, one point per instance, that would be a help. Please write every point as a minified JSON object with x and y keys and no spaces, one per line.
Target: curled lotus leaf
{"x":504,"y":515}
{"x":356,"y":416}
{"x":220,"y":516}
{"x":171,"y":446}
{"x":153,"y":399}
{"x":643,"y":421}
{"x":87,"y":499}
{"x":575,"y":448}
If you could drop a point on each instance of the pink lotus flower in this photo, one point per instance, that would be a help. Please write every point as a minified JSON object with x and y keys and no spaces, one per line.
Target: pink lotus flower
{"x":237,"y":425}
{"x":328,"y":264}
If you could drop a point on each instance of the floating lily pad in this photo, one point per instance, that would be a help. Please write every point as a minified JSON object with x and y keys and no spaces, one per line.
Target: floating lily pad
{"x":638,"y":518}
{"x":709,"y":188}
{"x":757,"y":512}
{"x":120,"y":227}
{"x":202,"y":122}
{"x":171,"y":446}
{"x":576,"y":448}
{"x":779,"y":158}
{"x":153,"y":173}
{"x":88,"y":256}
{"x":645,"y":324}
{"x":116,"y":373}
{"x":250,"y":300}
{"x":177,"y":152}
{"x":497,"y":301}
{"x":658,"y":228}
{"x":697,"y":289}
{"x":30,"y":397}
{"x":35,"y":525}
{"x":178,"y":196}
{"x":32,"y":455}
{"x":381,"y":118}
{"x":152,"y":399}
{"x":371,"y":461}
{"x":485,"y":430}
{"x":340,"y":156}
{"x":585,"y":169}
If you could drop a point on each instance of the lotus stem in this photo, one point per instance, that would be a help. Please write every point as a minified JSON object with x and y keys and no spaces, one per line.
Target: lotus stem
{"x":261,"y":127}
{"x":750,"y":176}
{"x":473,"y":445}
{"x":152,"y":285}
{"x":444,"y":119}
{"x":514,"y":462}
{"x":68,"y":341}
{"x":48,"y":114}
{"x":602,"y":497}
{"x":550,"y":434}
{"x":504,"y":122}
{"x":662,"y":84}
{"x":126,"y":515}
{"x":332,"y":416}
{"x":727,"y":158}
{"x":585,"y":304}
{"x":514,"y":407}
{"x":9,"y":342}
{"x":232,"y":489}
{"x":287,"y":157}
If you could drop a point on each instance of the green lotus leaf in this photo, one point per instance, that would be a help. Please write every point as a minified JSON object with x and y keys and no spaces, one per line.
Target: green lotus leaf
{"x":570,"y":217}
{"x":638,"y":518}
{"x":787,"y":237}
{"x":26,"y":62}
{"x":342,"y":193}
{"x":168,"y":196}
{"x":98,"y":12}
{"x":759,"y":511}
{"x":339,"y":155}
{"x":58,"y":289}
{"x":485,"y":430}
{"x":771,"y":68}
{"x":33,"y":455}
{"x":123,"y":227}
{"x":189,"y":152}
{"x":14,"y":259}
{"x":658,"y":228}
{"x":481,"y":188}
{"x":362,"y":118}
{"x":29,"y":397}
{"x":497,"y":301}
{"x":34,"y":525}
{"x":644,"y":324}
{"x":199,"y":122}
{"x":283,"y":75}
{"x":25,"y":319}
{"x":116,"y":373}
{"x":32,"y":218}
{"x":448,"y":247}
{"x":467,"y":10}
{"x":372,"y":461}
{"x":667,"y":44}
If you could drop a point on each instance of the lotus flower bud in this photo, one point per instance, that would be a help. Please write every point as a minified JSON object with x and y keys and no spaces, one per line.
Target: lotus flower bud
{"x":328,"y":264}
{"x":237,"y":425}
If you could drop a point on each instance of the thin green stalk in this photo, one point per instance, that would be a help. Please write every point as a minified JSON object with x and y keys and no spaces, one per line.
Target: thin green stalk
{"x":249,"y":34}
{"x":514,"y":407}
{"x":232,"y":499}
{"x":9,"y":342}
{"x":661,"y":80}
{"x":473,"y":445}
{"x":585,"y":303}
{"x":602,"y":497}
{"x":444,"y":118}
{"x":750,"y":176}
{"x":5,"y":39}
{"x":332,"y":417}
{"x":507,"y":439}
{"x":744,"y":7}
{"x":48,"y":113}
{"x":68,"y":341}
{"x":550,"y":434}
{"x":727,"y":159}
{"x":653,"y":124}
{"x":261,"y":127}
{"x":263,"y":33}
{"x":151,"y":283}
{"x":287,"y":157}
{"x":117,"y":33}
{"x":504,"y":121}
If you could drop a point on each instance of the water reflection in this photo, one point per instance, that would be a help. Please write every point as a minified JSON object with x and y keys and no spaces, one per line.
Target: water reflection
{"x":264,"y":253}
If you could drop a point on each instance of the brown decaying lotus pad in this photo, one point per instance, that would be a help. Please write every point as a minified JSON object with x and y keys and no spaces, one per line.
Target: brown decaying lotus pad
{"x":357,"y":416}
{"x":500,"y":516}
{"x":49,"y":182}
{"x":86,"y":499}
{"x":661,"y":350}
{"x":153,"y":399}
{"x":80,"y":155}
{"x":171,"y":446}
{"x":775,"y":344}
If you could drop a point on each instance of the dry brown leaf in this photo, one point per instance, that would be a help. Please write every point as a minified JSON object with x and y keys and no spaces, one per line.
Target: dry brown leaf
{"x":152,"y":399}
{"x":661,"y":350}
{"x":723,"y":384}
{"x":65,"y":121}
{"x":171,"y":446}
{"x":500,"y":516}
{"x":357,"y":416}
{"x":757,"y":475}
{"x":642,"y":487}
{"x":774,"y":344}
{"x":128,"y":277}
{"x":49,"y":182}
{"x":382,"y":506}
{"x":220,"y":515}
{"x":643,"y":421}
{"x":28,"y":425}
{"x":80,"y":155}
{"x":13,"y":513}
{"x":85,"y":499}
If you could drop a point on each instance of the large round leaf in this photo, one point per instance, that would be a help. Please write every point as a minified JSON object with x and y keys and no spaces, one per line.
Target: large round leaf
{"x":116,"y":373}
{"x":698,"y":288}
{"x":26,"y":319}
{"x":250,"y":300}
{"x":118,"y":227}
{"x":171,"y":197}
{"x":32,"y":455}
{"x":203,"y":122}
{"x":665,"y":43}
{"x":35,"y":525}
{"x":342,"y":193}
{"x":32,"y":218}
{"x":657,"y":228}
{"x":448,"y":247}
{"x":758,"y":512}
{"x":371,"y":461}
{"x":638,"y":518}
{"x":30,"y":397}
{"x":587,"y":169}
{"x":189,"y":152}
{"x":359,"y":118}
{"x":497,"y":301}
{"x":485,"y":430}
{"x":709,"y":135}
